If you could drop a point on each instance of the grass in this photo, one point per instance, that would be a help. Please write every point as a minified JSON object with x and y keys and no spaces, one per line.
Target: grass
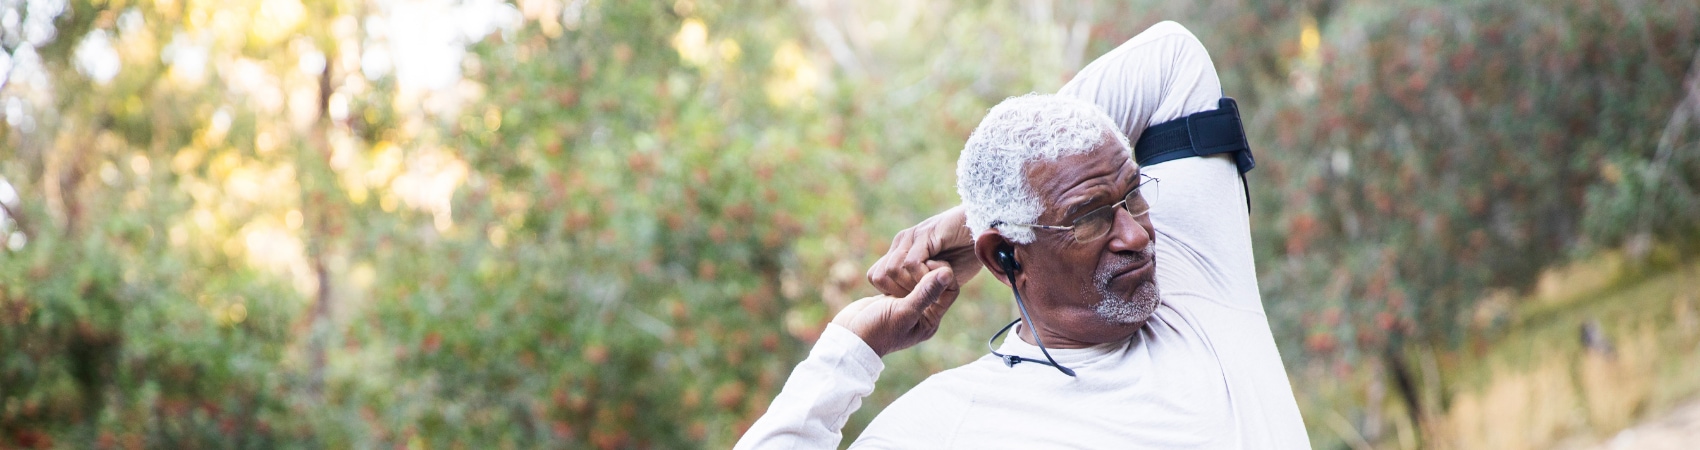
{"x":1529,"y":382}
{"x":1538,"y":386}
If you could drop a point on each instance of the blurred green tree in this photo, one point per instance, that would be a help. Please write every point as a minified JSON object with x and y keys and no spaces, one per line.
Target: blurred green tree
{"x":352,"y":223}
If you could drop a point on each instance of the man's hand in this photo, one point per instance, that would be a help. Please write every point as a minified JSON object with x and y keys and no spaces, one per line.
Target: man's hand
{"x":888,"y":324}
{"x":939,"y":241}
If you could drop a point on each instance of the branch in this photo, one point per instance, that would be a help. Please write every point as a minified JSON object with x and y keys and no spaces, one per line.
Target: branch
{"x":1685,"y":111}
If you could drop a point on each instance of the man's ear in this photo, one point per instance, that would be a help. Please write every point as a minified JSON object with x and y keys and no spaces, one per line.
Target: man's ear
{"x":986,"y":247}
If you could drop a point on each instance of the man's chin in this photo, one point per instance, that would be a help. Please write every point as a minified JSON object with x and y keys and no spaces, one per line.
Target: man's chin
{"x":1134,"y":309}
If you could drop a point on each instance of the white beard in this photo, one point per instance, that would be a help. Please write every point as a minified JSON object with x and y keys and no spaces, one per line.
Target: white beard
{"x":1136,"y":306}
{"x":1135,"y":309}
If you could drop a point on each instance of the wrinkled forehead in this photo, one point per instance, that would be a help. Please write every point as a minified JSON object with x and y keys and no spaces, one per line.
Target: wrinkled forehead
{"x":1069,"y":182}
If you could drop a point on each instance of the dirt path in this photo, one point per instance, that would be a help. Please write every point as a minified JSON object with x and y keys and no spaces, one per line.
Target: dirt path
{"x":1676,"y":429}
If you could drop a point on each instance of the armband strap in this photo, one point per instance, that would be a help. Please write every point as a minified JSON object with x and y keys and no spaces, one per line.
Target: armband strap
{"x":1200,"y":134}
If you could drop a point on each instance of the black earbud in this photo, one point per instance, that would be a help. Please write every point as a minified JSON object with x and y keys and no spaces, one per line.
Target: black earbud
{"x":1006,"y":260}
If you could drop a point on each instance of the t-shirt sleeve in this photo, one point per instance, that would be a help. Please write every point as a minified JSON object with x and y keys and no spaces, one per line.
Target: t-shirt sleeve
{"x":1200,"y":214}
{"x":818,"y":398}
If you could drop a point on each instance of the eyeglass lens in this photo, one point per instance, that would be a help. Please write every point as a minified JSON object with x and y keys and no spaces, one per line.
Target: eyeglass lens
{"x":1097,"y":224}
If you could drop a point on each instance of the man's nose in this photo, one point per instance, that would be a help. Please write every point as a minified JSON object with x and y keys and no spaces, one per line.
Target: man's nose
{"x":1129,"y":235}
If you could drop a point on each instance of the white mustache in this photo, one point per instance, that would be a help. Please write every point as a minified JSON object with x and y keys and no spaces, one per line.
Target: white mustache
{"x":1127,"y":307}
{"x":1121,"y":263}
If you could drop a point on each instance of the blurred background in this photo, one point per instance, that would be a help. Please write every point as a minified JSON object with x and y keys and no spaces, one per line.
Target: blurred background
{"x":619,"y":224}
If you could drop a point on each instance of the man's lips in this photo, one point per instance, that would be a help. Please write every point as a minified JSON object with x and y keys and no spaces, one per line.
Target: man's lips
{"x":1139,"y":272}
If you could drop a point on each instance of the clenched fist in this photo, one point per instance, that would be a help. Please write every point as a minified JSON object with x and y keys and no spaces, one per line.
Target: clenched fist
{"x":939,"y":241}
{"x":888,"y":324}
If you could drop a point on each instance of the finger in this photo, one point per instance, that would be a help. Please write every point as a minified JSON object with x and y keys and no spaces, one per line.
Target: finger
{"x":905,"y":272}
{"x":879,"y":275}
{"x":913,"y":266}
{"x":898,"y":279}
{"x":934,"y":315}
{"x":936,"y":239}
{"x":889,"y":278}
{"x":876,"y":272}
{"x":932,"y":265}
{"x":948,"y":295}
{"x":915,"y":260}
{"x":909,"y":277}
{"x":846,"y":316}
{"x":923,"y":237}
{"x":927,"y":292}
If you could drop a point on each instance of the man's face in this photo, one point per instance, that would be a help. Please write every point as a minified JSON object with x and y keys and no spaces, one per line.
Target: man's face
{"x":1089,"y":291}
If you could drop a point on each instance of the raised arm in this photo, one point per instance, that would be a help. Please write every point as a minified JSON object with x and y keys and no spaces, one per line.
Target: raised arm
{"x":1160,"y":75}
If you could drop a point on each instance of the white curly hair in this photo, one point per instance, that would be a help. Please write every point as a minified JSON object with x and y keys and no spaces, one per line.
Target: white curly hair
{"x":991,"y":174}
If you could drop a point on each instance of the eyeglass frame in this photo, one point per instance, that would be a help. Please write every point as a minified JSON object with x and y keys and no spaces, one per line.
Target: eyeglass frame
{"x":1149,"y":203}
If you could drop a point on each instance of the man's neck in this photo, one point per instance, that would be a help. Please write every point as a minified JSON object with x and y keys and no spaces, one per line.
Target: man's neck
{"x":1056,"y":341}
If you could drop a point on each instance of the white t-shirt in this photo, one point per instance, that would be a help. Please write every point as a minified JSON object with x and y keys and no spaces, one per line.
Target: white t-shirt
{"x":1203,"y":372}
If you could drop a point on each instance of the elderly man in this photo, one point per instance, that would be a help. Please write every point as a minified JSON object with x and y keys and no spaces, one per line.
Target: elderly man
{"x":1114,"y":349}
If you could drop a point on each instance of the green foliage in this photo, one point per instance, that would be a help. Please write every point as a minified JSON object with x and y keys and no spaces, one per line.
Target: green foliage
{"x":100,"y":348}
{"x":1434,"y":151}
{"x":710,"y":225}
{"x":627,"y":220}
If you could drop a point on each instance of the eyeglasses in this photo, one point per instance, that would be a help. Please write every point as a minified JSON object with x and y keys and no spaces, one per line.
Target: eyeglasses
{"x":1098,"y":223}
